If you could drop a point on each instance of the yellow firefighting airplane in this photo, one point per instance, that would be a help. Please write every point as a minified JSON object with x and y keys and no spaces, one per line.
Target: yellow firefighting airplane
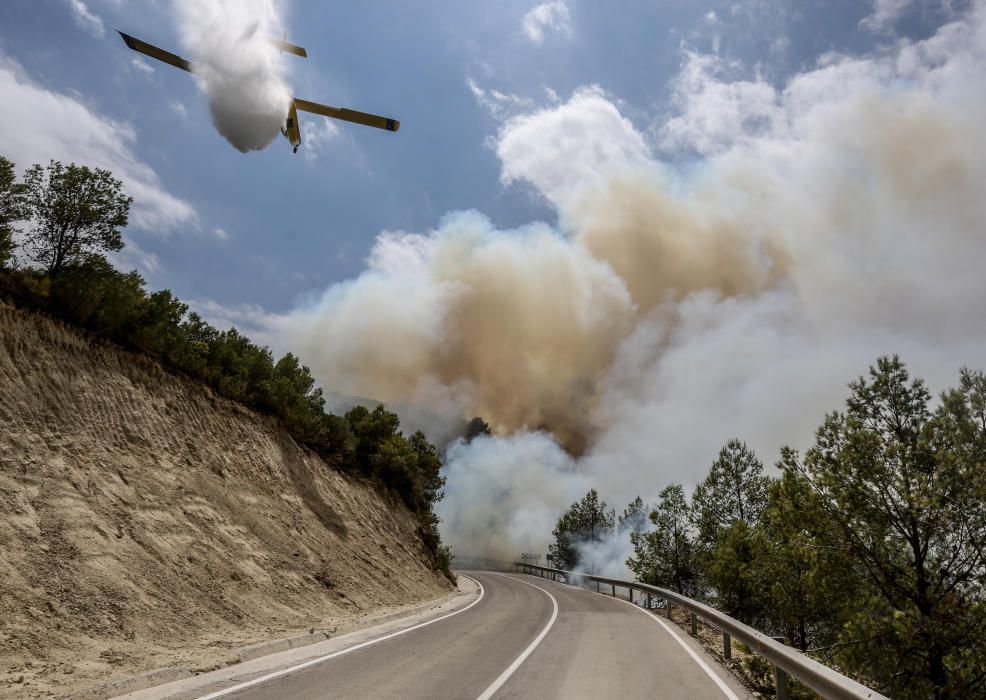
{"x":291,"y":129}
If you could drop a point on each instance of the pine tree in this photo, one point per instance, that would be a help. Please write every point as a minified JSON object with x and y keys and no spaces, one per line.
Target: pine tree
{"x":586,"y":521}
{"x":905,"y":489}
{"x":665,"y":556}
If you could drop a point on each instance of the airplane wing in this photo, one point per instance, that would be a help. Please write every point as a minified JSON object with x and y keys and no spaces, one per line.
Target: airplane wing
{"x":154,"y":52}
{"x":289,"y":48}
{"x":348,"y":115}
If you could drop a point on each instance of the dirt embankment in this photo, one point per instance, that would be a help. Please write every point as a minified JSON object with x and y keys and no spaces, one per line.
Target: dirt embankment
{"x":146,"y":522}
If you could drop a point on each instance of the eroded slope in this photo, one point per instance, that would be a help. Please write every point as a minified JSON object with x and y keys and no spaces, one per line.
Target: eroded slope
{"x":144,"y":520}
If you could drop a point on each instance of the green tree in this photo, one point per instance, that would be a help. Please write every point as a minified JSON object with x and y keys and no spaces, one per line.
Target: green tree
{"x":429,"y":466}
{"x":586,"y":521}
{"x":736,"y":572}
{"x":76,"y":214}
{"x":394,"y":462}
{"x":734,"y":490}
{"x":474,"y":428}
{"x":100,"y":298}
{"x":807,"y":576}
{"x":634,"y":518}
{"x":726,"y":509}
{"x":371,"y":429}
{"x":906,"y":489}
{"x":335,"y":441}
{"x":410,"y":465}
{"x":291,"y":394}
{"x":11,"y":209}
{"x":665,"y":556}
{"x":158,"y":330}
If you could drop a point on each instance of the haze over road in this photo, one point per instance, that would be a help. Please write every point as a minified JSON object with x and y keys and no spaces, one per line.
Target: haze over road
{"x":524,"y":638}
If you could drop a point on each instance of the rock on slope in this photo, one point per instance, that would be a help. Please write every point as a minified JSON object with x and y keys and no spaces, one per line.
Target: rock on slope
{"x":145,"y":522}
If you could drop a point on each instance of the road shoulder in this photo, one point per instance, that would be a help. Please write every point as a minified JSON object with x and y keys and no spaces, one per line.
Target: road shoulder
{"x":282,"y":654}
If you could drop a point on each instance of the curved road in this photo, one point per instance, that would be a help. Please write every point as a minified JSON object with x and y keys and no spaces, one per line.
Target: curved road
{"x":525,"y":638}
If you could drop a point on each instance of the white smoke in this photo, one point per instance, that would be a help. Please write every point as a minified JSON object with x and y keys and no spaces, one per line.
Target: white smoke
{"x":507,"y":492}
{"x":241,"y":71}
{"x":673,"y":309}
{"x":607,"y":556}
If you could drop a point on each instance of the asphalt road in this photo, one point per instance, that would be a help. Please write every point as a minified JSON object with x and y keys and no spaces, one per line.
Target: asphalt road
{"x":526,"y":638}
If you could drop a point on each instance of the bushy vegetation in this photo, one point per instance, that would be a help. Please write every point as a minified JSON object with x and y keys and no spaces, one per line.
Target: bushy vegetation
{"x":587,"y":522}
{"x":72,"y":218}
{"x":868,"y":551}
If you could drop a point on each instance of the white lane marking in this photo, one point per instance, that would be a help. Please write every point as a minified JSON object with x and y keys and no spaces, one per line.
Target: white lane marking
{"x":726,"y":690}
{"x":505,"y":676}
{"x":355,"y":647}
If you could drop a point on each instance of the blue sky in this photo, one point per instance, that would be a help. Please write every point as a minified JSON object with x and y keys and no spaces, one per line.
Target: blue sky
{"x":291,"y":225}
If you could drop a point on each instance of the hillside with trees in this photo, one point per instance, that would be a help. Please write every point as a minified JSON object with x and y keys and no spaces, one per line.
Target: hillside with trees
{"x":868,"y":551}
{"x":172,"y":492}
{"x":72,"y":217}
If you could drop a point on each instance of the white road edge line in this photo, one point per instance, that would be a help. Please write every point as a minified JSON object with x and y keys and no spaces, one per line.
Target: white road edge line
{"x":355,"y":647}
{"x":727,"y":691}
{"x":505,"y":676}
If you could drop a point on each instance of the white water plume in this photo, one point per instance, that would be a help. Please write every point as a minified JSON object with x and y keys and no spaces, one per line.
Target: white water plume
{"x":241,"y":71}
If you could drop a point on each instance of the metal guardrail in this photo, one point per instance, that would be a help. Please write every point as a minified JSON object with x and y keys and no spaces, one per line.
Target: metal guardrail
{"x":828,"y":683}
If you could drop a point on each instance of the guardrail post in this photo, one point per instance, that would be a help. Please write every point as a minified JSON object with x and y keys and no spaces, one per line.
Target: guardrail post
{"x":648,"y":601}
{"x":597,"y":586}
{"x":780,"y":683}
{"x":694,"y":625}
{"x":614,"y":590}
{"x":780,"y":677}
{"x":727,"y":647}
{"x":669,"y":608}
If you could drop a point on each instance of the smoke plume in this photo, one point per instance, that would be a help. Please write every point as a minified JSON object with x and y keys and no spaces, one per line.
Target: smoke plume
{"x":228,"y":42}
{"x":825,"y":222}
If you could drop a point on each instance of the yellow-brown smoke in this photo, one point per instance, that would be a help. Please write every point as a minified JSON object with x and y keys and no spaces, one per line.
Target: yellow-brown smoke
{"x":523,"y":326}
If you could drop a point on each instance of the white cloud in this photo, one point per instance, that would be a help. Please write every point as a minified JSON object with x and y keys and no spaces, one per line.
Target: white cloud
{"x":715,"y":114}
{"x":38,"y":125}
{"x":885,"y":13}
{"x":142,"y":66}
{"x":222,"y":234}
{"x":316,"y":134}
{"x":499,"y":104}
{"x":86,"y":19}
{"x":258,"y":324}
{"x":180,"y":109}
{"x":134,"y":257}
{"x":567,"y":146}
{"x":552,"y":16}
{"x":780,"y":45}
